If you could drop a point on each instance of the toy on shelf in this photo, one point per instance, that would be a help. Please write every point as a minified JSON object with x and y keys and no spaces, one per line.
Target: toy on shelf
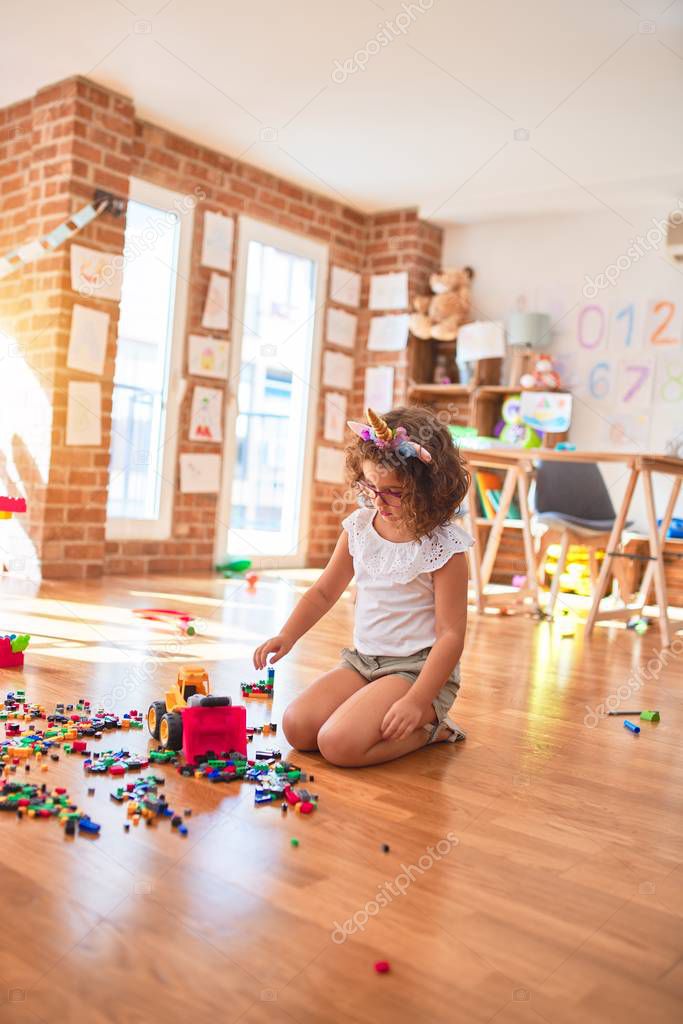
{"x":11,"y":506}
{"x":512,"y":429}
{"x":439,"y":316}
{"x":543,"y":378}
{"x":189,"y":718}
{"x":184,"y":621}
{"x":12,"y":647}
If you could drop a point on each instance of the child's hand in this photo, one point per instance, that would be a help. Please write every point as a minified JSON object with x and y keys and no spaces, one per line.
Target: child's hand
{"x":402,"y":718}
{"x":278,"y":646}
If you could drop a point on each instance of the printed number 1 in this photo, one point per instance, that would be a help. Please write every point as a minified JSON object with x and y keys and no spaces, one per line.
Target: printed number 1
{"x":629,"y":312}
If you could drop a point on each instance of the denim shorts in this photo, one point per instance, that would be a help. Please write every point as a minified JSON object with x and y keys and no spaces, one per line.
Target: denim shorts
{"x":409,"y":666}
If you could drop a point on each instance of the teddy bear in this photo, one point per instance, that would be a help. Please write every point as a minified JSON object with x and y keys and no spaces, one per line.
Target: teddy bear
{"x":440,"y":315}
{"x":544,"y":377}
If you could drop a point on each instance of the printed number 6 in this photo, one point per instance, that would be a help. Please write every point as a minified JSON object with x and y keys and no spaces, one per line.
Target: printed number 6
{"x":598,"y":380}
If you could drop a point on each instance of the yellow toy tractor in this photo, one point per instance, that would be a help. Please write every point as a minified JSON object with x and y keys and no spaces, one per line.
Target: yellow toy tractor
{"x":165,"y":718}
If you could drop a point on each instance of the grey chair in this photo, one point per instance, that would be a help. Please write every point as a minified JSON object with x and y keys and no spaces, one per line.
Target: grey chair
{"x":571,"y":501}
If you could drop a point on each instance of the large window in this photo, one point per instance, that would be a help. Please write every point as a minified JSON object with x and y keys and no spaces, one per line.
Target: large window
{"x":279,"y":293}
{"x":144,"y":420}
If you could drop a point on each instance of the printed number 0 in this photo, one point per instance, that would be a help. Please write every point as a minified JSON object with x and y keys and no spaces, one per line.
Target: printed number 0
{"x":598,"y":380}
{"x":601,"y":330}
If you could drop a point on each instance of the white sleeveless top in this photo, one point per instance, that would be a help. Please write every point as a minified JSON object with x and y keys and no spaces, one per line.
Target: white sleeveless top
{"x":395,"y":589}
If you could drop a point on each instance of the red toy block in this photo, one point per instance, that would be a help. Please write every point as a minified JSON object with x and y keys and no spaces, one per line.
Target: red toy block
{"x":8,"y":658}
{"x":12,"y":505}
{"x":218,"y":729}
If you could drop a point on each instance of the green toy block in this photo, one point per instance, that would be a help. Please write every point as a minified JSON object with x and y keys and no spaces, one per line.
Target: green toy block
{"x":649,"y":716}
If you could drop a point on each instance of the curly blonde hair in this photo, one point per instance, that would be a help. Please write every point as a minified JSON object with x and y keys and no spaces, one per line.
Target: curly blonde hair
{"x":432,"y":492}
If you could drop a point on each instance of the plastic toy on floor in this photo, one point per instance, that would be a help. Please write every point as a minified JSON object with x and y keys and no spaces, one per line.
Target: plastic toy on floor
{"x":11,"y":506}
{"x":12,"y":647}
{"x":181,"y":619}
{"x":189,"y":718}
{"x":234,"y":567}
{"x":263,"y":689}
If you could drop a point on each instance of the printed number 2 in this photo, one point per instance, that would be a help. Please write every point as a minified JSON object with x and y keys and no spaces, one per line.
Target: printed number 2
{"x":658,"y":336}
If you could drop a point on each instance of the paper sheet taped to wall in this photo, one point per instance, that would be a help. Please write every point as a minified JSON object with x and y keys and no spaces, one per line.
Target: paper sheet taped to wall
{"x":379,"y":388}
{"x":329,"y":465}
{"x":389,"y":291}
{"x":341,"y":327}
{"x":200,"y":474}
{"x":84,"y":413}
{"x":388,"y":333}
{"x":345,"y":286}
{"x":88,"y":339}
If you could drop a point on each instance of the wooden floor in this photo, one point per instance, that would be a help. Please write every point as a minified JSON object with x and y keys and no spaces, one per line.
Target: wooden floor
{"x":554,"y":894}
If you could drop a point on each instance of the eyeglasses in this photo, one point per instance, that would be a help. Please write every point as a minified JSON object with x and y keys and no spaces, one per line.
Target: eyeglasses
{"x":389,"y":497}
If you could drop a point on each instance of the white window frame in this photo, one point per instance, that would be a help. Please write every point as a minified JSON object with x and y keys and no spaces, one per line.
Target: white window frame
{"x":259,"y":231}
{"x":122,"y":528}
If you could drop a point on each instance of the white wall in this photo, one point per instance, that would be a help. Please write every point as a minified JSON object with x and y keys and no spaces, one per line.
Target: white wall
{"x":552,"y":264}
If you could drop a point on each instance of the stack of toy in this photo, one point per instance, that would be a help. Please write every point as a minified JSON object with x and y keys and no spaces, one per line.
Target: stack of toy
{"x":262,"y":689}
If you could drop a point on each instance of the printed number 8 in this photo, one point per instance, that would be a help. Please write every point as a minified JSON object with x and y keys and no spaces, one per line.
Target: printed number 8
{"x":672,"y":389}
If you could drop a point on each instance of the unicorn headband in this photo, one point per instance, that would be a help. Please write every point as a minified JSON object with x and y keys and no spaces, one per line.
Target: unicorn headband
{"x":381,"y":434}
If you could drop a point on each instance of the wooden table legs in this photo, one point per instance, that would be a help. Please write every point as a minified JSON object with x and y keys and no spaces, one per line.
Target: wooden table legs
{"x":481,"y":568}
{"x":614,"y":542}
{"x":646,"y":585}
{"x":658,"y":565}
{"x":654,"y":573}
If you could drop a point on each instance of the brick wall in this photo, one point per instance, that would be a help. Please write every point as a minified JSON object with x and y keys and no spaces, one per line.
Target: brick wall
{"x":57,"y":147}
{"x":55,"y":150}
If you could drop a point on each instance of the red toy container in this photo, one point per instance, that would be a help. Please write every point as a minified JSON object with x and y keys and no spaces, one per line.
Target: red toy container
{"x":8,"y":659}
{"x":217,"y":729}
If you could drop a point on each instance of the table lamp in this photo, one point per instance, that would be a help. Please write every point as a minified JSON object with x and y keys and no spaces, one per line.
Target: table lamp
{"x":526,"y":333}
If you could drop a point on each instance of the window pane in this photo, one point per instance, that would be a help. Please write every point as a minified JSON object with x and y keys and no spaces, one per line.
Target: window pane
{"x":272,"y":400}
{"x":142,"y":362}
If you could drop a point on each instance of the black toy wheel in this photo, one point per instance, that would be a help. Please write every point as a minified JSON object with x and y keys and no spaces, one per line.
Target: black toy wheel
{"x":156,"y":712}
{"x":171,"y":731}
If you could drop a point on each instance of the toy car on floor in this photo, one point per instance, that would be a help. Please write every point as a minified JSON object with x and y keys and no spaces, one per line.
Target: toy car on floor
{"x":192,"y":720}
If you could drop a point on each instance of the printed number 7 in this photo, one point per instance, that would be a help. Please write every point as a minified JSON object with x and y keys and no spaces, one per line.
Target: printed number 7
{"x":641,"y":375}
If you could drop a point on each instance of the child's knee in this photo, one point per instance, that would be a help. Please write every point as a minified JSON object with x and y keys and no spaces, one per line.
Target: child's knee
{"x":300,"y":733}
{"x":338,"y":747}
